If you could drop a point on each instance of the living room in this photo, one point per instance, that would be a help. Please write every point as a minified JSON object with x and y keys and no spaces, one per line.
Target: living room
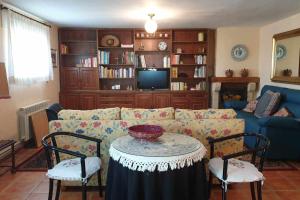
{"x":211,"y":60}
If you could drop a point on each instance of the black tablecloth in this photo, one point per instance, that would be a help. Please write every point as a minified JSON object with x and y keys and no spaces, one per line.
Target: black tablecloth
{"x":188,"y":183}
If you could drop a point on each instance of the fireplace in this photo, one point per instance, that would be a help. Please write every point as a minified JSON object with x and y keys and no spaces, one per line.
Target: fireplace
{"x":232,"y":91}
{"x":236,"y":88}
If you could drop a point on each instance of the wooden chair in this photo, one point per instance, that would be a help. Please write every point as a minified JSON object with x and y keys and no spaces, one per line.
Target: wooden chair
{"x":80,"y":168}
{"x":228,"y":169}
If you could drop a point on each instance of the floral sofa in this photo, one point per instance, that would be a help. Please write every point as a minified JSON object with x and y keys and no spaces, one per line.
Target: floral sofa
{"x":109,"y":124}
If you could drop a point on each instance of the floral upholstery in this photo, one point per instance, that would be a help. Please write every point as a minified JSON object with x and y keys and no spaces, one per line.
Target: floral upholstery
{"x":96,"y":114}
{"x":108,"y":130}
{"x":238,"y":171}
{"x":70,"y":169}
{"x":205,"y":114}
{"x":150,"y":114}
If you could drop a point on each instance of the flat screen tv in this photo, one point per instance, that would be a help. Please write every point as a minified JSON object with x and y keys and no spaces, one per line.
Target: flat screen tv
{"x":153,"y":78}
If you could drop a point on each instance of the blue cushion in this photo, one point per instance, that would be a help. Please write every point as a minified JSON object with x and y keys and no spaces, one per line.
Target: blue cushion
{"x":267,"y":104}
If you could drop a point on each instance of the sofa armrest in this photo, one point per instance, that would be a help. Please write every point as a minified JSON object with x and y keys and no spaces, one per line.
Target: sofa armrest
{"x":237,"y":105}
{"x":279,"y":122}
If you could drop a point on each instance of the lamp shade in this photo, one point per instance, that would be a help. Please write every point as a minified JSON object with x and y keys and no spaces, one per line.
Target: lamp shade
{"x":150,"y":26}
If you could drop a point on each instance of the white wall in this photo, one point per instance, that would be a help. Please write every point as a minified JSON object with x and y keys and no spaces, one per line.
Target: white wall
{"x":265,"y":48}
{"x":25,"y":95}
{"x":228,"y":37}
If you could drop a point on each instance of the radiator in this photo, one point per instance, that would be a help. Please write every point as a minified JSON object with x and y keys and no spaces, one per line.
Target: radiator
{"x":23,"y":118}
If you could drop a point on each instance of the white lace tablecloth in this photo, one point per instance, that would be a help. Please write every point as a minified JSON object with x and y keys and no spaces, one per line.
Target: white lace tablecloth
{"x":170,"y":151}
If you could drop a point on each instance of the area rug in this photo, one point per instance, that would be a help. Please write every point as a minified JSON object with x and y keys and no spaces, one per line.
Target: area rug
{"x":37,"y":162}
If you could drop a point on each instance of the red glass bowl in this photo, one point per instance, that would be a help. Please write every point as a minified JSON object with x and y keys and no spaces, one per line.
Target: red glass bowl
{"x":145,"y":132}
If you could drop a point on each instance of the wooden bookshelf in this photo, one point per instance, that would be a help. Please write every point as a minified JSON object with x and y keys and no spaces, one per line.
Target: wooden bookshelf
{"x":87,"y":88}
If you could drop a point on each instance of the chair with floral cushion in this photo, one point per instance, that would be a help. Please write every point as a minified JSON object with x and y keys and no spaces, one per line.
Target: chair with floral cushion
{"x":81,"y":168}
{"x":228,"y":169}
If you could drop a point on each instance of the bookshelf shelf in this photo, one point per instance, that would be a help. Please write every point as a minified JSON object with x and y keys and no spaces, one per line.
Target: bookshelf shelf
{"x":188,"y":78}
{"x":117,"y":48}
{"x":117,"y":65}
{"x":187,"y":65}
{"x":79,"y":41}
{"x":77,"y":54}
{"x":191,"y":42}
{"x":189,"y":54}
{"x":117,"y":78}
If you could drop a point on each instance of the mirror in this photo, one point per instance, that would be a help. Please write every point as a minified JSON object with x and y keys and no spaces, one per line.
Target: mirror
{"x":286,"y":57}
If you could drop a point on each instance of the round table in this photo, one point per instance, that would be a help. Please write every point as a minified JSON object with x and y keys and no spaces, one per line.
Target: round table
{"x":169,"y":168}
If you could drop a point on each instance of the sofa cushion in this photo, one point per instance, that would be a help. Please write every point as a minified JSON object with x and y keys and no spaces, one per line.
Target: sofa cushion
{"x":283,"y":112}
{"x":96,"y":114}
{"x":205,"y":114}
{"x":267,"y":104}
{"x":251,"y":106}
{"x":149,"y":114}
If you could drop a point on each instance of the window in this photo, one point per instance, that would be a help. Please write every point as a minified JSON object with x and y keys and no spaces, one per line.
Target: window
{"x":27,"y":52}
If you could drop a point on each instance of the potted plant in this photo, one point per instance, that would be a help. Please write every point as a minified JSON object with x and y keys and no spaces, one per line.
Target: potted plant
{"x":287,"y":72}
{"x":244,"y":72}
{"x":229,"y":73}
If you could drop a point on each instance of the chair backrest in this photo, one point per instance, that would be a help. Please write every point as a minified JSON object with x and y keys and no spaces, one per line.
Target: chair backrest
{"x":52,"y":111}
{"x":48,"y":142}
{"x":259,"y":150}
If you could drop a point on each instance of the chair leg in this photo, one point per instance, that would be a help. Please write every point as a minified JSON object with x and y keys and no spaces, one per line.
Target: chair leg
{"x":259,"y":192}
{"x":224,"y":197}
{"x":58,"y":190}
{"x":50,"y":189}
{"x":209,"y":184}
{"x":99,"y":183}
{"x":83,"y":191}
{"x":252,"y":191}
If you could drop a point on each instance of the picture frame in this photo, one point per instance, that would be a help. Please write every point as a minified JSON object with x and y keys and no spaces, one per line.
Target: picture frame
{"x":54,"y":57}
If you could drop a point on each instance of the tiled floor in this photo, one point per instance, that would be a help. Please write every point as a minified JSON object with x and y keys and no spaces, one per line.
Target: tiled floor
{"x":279,"y":185}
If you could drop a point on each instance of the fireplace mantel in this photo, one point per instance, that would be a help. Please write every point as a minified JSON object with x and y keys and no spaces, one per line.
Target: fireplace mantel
{"x":236,"y":79}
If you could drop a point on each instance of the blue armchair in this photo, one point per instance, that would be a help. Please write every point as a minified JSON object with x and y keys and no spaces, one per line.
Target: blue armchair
{"x":283,"y":132}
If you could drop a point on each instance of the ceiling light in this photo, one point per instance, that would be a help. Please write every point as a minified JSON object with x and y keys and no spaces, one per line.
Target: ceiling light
{"x":151,"y":25}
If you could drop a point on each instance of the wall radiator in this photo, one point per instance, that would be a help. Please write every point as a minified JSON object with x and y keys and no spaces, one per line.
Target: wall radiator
{"x":23,"y":118}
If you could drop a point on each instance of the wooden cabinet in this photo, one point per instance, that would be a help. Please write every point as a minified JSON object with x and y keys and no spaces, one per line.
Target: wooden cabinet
{"x":143,"y":100}
{"x":70,"y":100}
{"x":88,"y":101}
{"x":80,"y":78}
{"x":115,"y":99}
{"x":161,"y":100}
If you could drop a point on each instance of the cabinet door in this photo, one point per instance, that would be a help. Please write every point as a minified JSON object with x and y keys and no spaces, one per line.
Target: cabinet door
{"x":200,"y":104}
{"x":143,"y":101}
{"x":87,"y":101}
{"x":70,"y":100}
{"x":161,"y":100}
{"x":89,"y":78}
{"x":181,"y":104}
{"x":70,"y":78}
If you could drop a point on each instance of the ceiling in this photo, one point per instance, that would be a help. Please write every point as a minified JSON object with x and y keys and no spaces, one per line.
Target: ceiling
{"x":169,"y":13}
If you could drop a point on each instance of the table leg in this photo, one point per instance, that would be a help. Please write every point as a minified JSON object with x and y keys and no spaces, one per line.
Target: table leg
{"x":13,"y":163}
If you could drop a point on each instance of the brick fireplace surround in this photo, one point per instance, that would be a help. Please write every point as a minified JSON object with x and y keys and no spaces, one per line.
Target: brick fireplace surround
{"x":252,"y":85}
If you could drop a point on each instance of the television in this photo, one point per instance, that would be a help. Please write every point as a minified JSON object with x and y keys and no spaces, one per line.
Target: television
{"x":153,"y":78}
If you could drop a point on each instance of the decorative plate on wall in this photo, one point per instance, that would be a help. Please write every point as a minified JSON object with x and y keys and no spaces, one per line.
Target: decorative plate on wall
{"x":162,"y":46}
{"x":239,"y":52}
{"x":280,"y":51}
{"x":110,"y":41}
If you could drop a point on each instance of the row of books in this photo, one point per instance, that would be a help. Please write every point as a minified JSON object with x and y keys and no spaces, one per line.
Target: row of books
{"x":63,"y":49}
{"x":200,"y":72}
{"x":87,"y":62}
{"x":103,"y":57}
{"x":201,"y":86}
{"x":105,"y":72}
{"x":166,"y":62}
{"x":176,"y":86}
{"x":200,"y":59}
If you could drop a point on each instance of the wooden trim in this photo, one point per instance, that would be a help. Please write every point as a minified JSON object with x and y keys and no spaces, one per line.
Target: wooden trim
{"x":4,"y":91}
{"x":287,"y":34}
{"x":235,"y":79}
{"x":286,"y":79}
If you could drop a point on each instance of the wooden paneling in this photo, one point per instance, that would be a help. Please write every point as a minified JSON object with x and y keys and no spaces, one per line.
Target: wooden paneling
{"x":70,"y":100}
{"x":143,"y":100}
{"x":161,"y":100}
{"x":89,"y":79}
{"x":88,"y":101}
{"x":70,"y":78}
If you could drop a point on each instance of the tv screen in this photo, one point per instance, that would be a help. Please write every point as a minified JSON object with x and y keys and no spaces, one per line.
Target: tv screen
{"x":153,"y":78}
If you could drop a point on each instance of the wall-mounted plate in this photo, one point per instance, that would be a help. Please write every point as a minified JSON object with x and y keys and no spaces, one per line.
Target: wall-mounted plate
{"x":280,"y":51}
{"x":239,"y":52}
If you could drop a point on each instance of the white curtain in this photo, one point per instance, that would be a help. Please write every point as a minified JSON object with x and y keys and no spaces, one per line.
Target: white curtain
{"x":27,"y":51}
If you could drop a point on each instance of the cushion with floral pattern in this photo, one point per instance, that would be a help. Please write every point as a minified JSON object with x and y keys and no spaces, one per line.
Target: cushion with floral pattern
{"x":283,"y":112}
{"x":251,"y":106}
